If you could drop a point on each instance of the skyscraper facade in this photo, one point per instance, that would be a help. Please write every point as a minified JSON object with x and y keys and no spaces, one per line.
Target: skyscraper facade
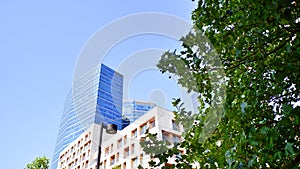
{"x":134,"y":109}
{"x":94,"y":98}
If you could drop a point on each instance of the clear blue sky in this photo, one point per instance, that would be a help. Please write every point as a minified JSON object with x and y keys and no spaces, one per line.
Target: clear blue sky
{"x":39,"y":44}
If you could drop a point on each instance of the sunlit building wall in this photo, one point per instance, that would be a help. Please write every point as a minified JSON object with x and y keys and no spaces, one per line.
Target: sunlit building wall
{"x":122,"y":149}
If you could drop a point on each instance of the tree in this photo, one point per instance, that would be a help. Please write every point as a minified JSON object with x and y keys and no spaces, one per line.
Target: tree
{"x":117,"y":167}
{"x":258,"y":46}
{"x":39,"y":163}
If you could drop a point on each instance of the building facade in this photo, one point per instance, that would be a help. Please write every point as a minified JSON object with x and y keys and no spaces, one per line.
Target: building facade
{"x":122,"y":149}
{"x":96,"y":97}
{"x":82,"y":152}
{"x":134,"y":109}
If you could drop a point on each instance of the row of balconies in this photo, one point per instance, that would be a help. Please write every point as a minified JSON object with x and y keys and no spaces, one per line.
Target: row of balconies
{"x":82,"y":143}
{"x":74,"y":160}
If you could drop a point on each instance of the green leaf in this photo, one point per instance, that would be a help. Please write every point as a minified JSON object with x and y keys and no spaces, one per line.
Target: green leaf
{"x":264,"y":130}
{"x":288,"y":47}
{"x":289,"y":150}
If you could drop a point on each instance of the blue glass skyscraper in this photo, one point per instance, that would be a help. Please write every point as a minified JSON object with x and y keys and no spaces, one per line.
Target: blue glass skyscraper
{"x":96,"y":97}
{"x":135,"y":109}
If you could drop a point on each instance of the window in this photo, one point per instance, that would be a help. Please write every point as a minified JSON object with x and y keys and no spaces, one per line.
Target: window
{"x":175,"y":126}
{"x":86,"y":137}
{"x":125,"y":139}
{"x":112,"y":160}
{"x":106,"y":151}
{"x":166,"y":136}
{"x":86,"y":163}
{"x":86,"y":145}
{"x":143,"y":129}
{"x":119,"y":143}
{"x":134,"y":134}
{"x":176,"y":139}
{"x":132,"y":149}
{"x":104,"y":164}
{"x":126,"y":152}
{"x":117,"y":157}
{"x":152,"y":124}
{"x":135,"y":163}
{"x":141,"y":160}
{"x":111,"y":147}
{"x":83,"y":156}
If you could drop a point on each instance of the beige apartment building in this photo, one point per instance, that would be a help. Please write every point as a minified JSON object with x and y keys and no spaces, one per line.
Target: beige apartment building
{"x":122,"y":149}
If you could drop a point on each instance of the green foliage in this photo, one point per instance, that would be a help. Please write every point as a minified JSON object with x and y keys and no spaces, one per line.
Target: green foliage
{"x":117,"y":167}
{"x":39,"y":163}
{"x":258,"y":44}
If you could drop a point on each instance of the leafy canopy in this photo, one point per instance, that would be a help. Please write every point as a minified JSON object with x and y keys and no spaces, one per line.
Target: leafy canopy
{"x":258,"y":45}
{"x":39,"y":163}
